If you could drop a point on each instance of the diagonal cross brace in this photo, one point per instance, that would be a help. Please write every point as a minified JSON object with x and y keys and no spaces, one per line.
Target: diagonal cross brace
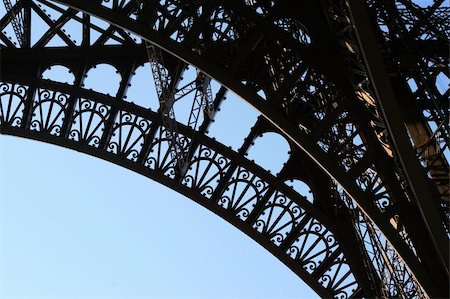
{"x":17,"y":21}
{"x":166,"y":92}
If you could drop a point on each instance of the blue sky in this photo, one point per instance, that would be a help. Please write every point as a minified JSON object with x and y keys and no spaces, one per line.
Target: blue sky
{"x":73,"y":226}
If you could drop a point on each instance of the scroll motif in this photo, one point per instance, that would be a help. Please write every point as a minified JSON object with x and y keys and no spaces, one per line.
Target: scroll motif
{"x":314,"y":244}
{"x":243,"y":192}
{"x":48,"y":111}
{"x":89,"y":121}
{"x":128,"y":135}
{"x":12,"y":99}
{"x":279,"y":217}
{"x":159,"y":157}
{"x":339,"y":278}
{"x":205,"y":170}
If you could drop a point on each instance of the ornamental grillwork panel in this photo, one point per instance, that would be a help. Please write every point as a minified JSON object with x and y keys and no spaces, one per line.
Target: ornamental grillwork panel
{"x":338,"y":80}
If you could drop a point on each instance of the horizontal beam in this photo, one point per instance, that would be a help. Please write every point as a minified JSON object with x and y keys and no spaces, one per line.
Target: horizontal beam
{"x":300,"y":139}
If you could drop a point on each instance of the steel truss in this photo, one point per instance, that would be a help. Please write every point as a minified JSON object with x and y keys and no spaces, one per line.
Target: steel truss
{"x":338,"y":79}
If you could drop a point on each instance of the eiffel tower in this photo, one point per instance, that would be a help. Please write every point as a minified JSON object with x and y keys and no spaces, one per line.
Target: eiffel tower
{"x":357,"y":88}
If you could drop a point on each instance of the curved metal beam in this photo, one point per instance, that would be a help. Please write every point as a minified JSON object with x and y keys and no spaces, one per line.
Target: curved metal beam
{"x":313,"y":264}
{"x":288,"y":128}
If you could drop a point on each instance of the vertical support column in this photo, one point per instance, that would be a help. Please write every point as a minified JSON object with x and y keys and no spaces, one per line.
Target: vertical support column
{"x":86,"y":30}
{"x":165,"y":87}
{"x":68,"y":117}
{"x":109,"y":126}
{"x":435,"y":254}
{"x":26,"y":24}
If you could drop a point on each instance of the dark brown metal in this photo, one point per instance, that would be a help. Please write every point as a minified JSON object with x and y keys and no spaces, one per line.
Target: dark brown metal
{"x":332,"y":77}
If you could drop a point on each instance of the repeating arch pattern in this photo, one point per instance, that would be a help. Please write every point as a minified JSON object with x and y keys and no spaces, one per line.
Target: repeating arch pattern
{"x":12,"y":96}
{"x":237,"y":189}
{"x":48,"y":111}
{"x":329,"y":115}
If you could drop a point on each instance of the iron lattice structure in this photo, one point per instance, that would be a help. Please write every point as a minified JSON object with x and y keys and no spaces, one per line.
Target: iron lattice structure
{"x":352,"y":85}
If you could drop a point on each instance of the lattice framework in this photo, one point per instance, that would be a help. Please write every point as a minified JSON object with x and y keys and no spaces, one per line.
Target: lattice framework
{"x":322,"y":101}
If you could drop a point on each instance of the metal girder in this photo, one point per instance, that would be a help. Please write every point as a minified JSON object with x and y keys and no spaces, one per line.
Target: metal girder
{"x":314,"y":86}
{"x":295,"y":135}
{"x":168,"y":92}
{"x":191,"y":185}
{"x":423,"y":100}
{"x":17,"y":20}
{"x":387,"y":99}
{"x":13,"y":70}
{"x":166,"y":85}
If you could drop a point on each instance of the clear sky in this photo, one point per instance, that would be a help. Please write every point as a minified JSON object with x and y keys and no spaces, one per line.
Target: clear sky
{"x":73,"y":226}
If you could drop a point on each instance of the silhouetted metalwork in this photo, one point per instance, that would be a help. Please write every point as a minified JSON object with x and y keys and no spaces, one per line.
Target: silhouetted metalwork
{"x":354,"y":86}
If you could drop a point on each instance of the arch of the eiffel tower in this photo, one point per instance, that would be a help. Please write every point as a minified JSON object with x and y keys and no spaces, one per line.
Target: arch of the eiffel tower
{"x":357,"y":89}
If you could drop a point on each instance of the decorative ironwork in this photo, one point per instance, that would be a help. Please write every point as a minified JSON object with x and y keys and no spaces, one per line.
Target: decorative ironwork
{"x":284,"y":211}
{"x":310,"y":72}
{"x":12,"y":103}
{"x":165,"y":87}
